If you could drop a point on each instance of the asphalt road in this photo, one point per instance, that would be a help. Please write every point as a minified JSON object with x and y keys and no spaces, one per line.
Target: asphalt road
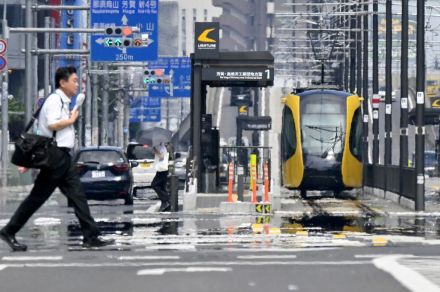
{"x":215,"y":252}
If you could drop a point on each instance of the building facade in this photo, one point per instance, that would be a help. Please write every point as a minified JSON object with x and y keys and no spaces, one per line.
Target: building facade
{"x":245,"y":24}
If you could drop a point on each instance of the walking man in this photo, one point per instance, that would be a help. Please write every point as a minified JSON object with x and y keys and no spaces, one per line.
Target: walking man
{"x":159,"y":183}
{"x":56,"y":116}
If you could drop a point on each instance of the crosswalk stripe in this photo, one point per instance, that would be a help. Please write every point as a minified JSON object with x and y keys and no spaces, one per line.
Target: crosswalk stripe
{"x":268,"y":256}
{"x":133,"y":258}
{"x":409,"y":278}
{"x":28,"y":258}
{"x":156,"y":272}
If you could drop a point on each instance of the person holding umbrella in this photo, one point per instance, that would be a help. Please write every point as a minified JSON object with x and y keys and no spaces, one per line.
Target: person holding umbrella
{"x":161,"y":157}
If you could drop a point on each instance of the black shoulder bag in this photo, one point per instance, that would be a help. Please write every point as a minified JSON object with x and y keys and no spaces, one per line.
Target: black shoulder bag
{"x":36,"y":151}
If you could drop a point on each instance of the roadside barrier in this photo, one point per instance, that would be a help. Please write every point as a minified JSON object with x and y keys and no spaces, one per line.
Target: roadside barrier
{"x":254,"y":183}
{"x":266,"y":183}
{"x":230,"y":181}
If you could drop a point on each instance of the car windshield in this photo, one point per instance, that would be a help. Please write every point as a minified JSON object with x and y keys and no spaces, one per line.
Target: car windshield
{"x":139,"y":152}
{"x":100,"y":156}
{"x":430,"y":159}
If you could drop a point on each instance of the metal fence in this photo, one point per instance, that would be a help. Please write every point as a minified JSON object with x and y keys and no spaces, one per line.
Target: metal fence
{"x":399,"y":180}
{"x":240,"y":157}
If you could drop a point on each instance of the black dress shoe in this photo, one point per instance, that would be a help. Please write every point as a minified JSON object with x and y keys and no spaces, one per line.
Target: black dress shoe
{"x":165,"y":206}
{"x":12,"y":242}
{"x":97,"y":242}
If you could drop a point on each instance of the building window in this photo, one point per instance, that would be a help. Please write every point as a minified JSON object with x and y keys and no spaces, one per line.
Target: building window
{"x":205,"y":14}
{"x":194,"y":14}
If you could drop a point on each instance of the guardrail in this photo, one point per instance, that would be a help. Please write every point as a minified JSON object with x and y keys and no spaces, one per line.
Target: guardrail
{"x":392,"y":178}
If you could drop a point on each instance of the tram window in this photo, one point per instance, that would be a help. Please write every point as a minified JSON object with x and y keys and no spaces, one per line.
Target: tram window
{"x":289,"y":134}
{"x":356,"y":135}
{"x":313,"y":108}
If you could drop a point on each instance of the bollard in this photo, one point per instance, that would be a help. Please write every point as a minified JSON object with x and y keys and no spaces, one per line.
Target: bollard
{"x":254,"y":183}
{"x":174,"y":192}
{"x":266,"y":183}
{"x":230,"y":181}
{"x":240,"y":183}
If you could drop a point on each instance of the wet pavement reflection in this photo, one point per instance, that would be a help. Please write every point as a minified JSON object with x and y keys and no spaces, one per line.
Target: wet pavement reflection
{"x":330,"y":222}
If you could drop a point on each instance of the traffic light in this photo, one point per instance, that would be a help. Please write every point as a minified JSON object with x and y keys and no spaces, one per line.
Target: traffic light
{"x":119,"y":36}
{"x":153,"y":76}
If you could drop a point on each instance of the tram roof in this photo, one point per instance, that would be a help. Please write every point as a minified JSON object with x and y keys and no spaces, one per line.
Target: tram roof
{"x":339,"y":93}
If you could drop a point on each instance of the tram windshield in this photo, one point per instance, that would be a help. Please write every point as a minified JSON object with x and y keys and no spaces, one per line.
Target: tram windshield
{"x":323,"y":124}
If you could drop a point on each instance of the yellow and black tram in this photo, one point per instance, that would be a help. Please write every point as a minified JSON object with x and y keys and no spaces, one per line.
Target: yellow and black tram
{"x":321,"y":141}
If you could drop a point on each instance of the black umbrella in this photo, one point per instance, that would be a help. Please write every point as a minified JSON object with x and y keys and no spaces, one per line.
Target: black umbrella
{"x":154,"y":136}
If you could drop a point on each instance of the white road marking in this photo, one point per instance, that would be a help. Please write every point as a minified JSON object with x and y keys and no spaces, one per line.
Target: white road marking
{"x":171,"y":246}
{"x":2,"y":267}
{"x":156,"y":272}
{"x":42,"y":221}
{"x":273,"y":249}
{"x":367,"y":256}
{"x":267,"y":256}
{"x":171,"y":264}
{"x":134,"y":258}
{"x":30,"y":258}
{"x":428,"y":266}
{"x":407,"y":277}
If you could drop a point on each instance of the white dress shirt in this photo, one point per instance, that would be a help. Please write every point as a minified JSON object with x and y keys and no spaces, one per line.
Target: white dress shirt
{"x":55,"y":109}
{"x":161,"y":159}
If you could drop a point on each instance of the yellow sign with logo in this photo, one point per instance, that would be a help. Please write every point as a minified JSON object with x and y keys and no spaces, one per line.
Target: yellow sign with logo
{"x":204,"y":38}
{"x":435,"y":102}
{"x":243,"y":109}
{"x":207,"y":40}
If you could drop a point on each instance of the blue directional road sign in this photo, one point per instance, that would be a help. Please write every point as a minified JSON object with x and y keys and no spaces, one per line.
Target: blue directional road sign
{"x":180,"y":68}
{"x":144,"y":115}
{"x":124,"y":46}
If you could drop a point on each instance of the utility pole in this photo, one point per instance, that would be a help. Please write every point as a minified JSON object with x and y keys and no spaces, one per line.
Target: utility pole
{"x":5,"y":107}
{"x":34,"y":91}
{"x":104,"y":108}
{"x":352,"y":51}
{"x":375,"y":82}
{"x":420,"y":107}
{"x":359,"y":51}
{"x":365,"y":86}
{"x":95,"y":111}
{"x":388,"y":83}
{"x":47,"y":23}
{"x":120,"y":117}
{"x":404,"y":88}
{"x":28,"y":61}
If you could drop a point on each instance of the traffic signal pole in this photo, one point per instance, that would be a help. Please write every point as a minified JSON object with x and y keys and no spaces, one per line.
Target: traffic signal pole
{"x":420,"y":107}
{"x":375,"y":68}
{"x":47,"y":24}
{"x":365,"y":85}
{"x":388,"y":84}
{"x":28,"y":70}
{"x":104,"y":108}
{"x":404,"y":88}
{"x":359,"y":51}
{"x":5,"y":117}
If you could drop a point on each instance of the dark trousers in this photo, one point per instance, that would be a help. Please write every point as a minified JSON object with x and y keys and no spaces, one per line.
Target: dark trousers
{"x":66,"y":179}
{"x":159,"y":185}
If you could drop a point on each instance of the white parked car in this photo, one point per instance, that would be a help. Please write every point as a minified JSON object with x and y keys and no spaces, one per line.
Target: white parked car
{"x":143,"y":172}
